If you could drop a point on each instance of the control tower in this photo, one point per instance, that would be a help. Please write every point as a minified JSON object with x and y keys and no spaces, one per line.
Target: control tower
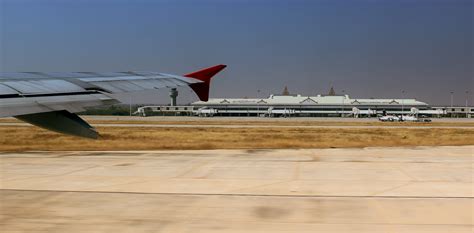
{"x":173,"y":96}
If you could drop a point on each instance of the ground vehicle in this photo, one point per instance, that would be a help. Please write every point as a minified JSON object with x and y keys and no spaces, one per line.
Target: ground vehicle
{"x":401,"y":118}
{"x":389,"y":118}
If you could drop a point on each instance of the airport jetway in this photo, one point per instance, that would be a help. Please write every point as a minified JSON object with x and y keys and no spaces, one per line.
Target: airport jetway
{"x":165,"y":110}
{"x":272,"y":112}
{"x":413,"y":111}
{"x":205,"y":112}
{"x":432,"y":112}
{"x":357,"y":112}
{"x":175,"y":111}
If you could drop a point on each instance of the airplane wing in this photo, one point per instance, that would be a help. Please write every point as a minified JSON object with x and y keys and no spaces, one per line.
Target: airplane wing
{"x":50,"y":99}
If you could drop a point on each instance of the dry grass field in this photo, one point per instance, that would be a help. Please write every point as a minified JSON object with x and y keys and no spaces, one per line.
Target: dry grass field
{"x":24,"y":138}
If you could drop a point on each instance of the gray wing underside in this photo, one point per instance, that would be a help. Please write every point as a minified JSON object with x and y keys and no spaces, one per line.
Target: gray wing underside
{"x":26,"y":93}
{"x":72,"y":103}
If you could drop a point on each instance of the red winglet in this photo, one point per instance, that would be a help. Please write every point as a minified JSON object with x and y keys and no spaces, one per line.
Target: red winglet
{"x":205,"y":75}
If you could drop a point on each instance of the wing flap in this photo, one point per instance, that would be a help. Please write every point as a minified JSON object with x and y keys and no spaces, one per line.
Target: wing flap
{"x":138,"y":83}
{"x":6,"y":90}
{"x":43,"y":86}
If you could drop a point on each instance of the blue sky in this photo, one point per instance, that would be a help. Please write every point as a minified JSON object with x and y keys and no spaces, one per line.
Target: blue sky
{"x":369,"y":48}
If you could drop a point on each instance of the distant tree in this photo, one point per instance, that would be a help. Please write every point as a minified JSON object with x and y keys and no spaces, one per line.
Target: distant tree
{"x":114,"y":110}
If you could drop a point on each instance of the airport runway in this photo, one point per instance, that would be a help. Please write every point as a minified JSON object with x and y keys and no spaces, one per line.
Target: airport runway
{"x":422,"y":189}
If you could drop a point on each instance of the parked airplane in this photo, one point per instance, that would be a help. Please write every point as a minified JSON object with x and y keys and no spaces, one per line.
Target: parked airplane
{"x":50,"y":100}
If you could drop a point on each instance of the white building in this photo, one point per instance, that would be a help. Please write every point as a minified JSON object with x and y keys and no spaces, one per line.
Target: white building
{"x":313,"y":106}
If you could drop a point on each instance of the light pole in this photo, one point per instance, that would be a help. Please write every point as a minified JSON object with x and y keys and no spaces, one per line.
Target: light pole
{"x":258,"y":103}
{"x":467,"y":97}
{"x":342,"y":108}
{"x":452,"y":98}
{"x":451,"y":110}
{"x":403,"y":107}
{"x":130,"y":105}
{"x":452,"y":92}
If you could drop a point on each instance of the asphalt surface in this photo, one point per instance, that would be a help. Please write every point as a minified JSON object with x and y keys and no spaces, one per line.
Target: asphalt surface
{"x":421,"y":189}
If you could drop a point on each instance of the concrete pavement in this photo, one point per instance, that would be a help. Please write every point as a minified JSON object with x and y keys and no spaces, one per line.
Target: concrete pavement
{"x":421,"y":189}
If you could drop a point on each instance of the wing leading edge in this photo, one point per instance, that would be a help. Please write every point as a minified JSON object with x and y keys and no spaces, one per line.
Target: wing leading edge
{"x":49,"y":100}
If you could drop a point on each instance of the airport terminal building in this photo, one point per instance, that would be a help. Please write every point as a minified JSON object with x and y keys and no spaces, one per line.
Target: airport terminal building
{"x":312,"y":106}
{"x":287,"y":105}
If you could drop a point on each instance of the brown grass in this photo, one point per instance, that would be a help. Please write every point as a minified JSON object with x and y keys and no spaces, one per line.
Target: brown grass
{"x":19,"y":138}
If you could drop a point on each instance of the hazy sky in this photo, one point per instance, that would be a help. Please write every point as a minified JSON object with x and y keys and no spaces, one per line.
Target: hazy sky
{"x":369,"y":48}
